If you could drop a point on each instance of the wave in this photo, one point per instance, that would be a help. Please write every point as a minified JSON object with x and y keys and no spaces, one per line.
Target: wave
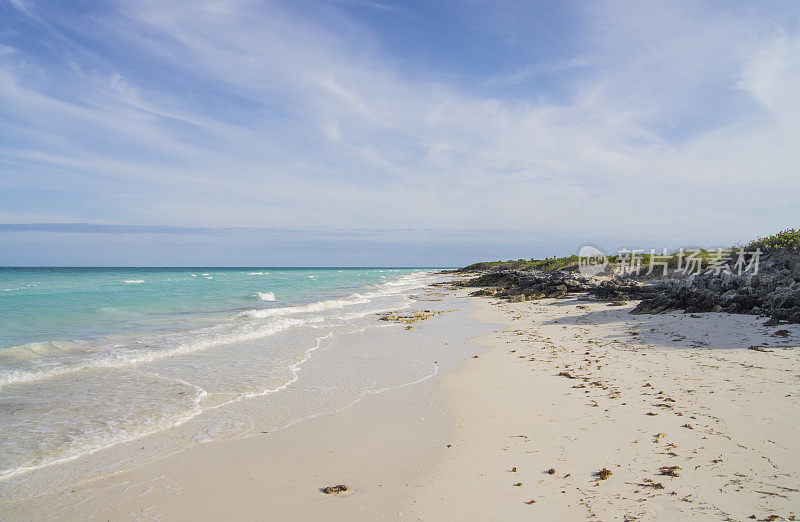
{"x":99,"y":440}
{"x":317,"y":306}
{"x":133,"y":281}
{"x":388,"y":288}
{"x":257,"y":273}
{"x":266,"y":296}
{"x":126,"y":355}
{"x":23,"y":287}
{"x":41,"y":349}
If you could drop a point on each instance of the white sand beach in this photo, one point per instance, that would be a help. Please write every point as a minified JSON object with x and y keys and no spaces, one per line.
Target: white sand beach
{"x":345,"y":260}
{"x":687,"y":419}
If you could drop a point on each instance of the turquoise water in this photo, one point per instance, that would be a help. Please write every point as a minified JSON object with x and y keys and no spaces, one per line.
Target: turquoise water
{"x":62,"y":304}
{"x":93,"y":357}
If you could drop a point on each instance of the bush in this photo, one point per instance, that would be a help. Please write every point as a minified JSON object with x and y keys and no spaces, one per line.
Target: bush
{"x":788,"y":239}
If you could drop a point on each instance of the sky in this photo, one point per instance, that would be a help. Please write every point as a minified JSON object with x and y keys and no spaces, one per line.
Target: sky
{"x":379,"y":133}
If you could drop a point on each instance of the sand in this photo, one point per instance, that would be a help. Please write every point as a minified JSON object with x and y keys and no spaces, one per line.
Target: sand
{"x":565,"y":385}
{"x":635,"y":394}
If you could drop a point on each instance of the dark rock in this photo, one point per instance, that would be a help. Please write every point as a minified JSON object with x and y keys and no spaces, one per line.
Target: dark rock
{"x":773,"y":292}
{"x":522,"y":285}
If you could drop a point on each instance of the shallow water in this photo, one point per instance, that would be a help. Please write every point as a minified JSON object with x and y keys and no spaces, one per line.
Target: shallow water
{"x":90,"y":358}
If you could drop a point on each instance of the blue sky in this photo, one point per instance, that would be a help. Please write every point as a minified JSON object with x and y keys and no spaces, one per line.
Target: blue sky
{"x":359,"y":132}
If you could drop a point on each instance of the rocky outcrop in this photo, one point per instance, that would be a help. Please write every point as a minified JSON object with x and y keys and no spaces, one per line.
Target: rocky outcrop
{"x":774,"y":291}
{"x":522,"y":285}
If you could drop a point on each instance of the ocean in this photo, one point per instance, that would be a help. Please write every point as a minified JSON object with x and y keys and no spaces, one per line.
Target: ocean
{"x":93,"y":357}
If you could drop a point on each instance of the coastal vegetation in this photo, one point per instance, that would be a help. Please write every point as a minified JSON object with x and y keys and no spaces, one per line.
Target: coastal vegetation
{"x":548,"y":264}
{"x":788,"y":239}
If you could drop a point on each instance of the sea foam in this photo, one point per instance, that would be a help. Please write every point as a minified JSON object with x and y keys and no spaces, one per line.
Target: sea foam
{"x":266,"y":296}
{"x":123,"y":356}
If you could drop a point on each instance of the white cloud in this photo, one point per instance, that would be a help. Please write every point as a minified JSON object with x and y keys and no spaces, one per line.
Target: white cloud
{"x":772,"y":75}
{"x":338,"y":135}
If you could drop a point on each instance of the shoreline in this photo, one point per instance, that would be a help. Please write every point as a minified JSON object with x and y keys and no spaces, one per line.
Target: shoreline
{"x":71,"y":401}
{"x":112,"y":493}
{"x":558,"y":384}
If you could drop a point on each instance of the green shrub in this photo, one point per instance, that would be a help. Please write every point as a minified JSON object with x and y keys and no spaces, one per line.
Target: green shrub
{"x":788,"y":239}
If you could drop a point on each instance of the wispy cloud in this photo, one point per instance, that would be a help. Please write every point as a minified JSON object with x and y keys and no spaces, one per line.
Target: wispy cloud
{"x":530,"y":72}
{"x":676,"y":117}
{"x":20,"y":5}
